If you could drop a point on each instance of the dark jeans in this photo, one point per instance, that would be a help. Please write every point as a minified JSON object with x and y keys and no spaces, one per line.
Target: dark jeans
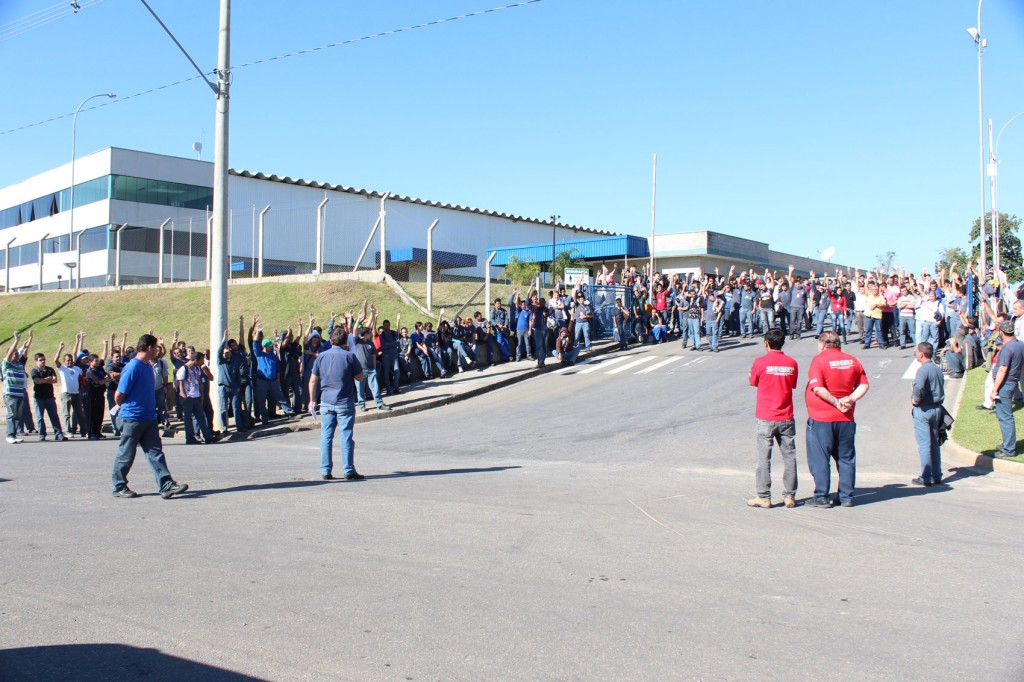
{"x":47,"y":407}
{"x":926,"y":433}
{"x":827,"y":441}
{"x":134,"y":434}
{"x":232,"y":398}
{"x":95,"y":413}
{"x":539,"y":343}
{"x":195,"y":420}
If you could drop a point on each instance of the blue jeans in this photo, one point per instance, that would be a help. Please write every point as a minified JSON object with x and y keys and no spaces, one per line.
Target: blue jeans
{"x":370,"y":385}
{"x":336,"y":417}
{"x":293,"y":384}
{"x":48,"y":407}
{"x":928,"y":331}
{"x":872,"y":326}
{"x":15,"y":408}
{"x":906,"y":333}
{"x":134,"y":434}
{"x":926,"y":433}
{"x":796,"y":321}
{"x":539,"y":345}
{"x":389,"y":370}
{"x":583,"y":329}
{"x":713,"y":328}
{"x":195,"y":420}
{"x":1004,"y":413}
{"x":767,"y":317}
{"x":570,"y":357}
{"x":693,"y":329}
{"x":746,"y":322}
{"x":268,"y":390}
{"x":827,"y":441}
{"x":659,"y":332}
{"x":819,"y":321}
{"x":839,"y":324}
{"x":232,"y":398}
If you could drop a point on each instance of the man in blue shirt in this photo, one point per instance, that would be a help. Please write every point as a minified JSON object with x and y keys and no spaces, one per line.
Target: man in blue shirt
{"x":1008,"y":371}
{"x":268,"y":378}
{"x":335,"y":372}
{"x":135,"y":400}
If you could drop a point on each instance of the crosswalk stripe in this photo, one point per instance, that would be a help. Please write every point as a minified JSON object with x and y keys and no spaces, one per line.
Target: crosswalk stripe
{"x":603,"y":364}
{"x":576,"y":366}
{"x":661,"y":364}
{"x":912,"y":370}
{"x":635,"y":363}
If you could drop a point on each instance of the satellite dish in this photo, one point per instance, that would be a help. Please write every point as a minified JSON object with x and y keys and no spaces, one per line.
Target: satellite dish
{"x":827,"y":254}
{"x":197,"y":147}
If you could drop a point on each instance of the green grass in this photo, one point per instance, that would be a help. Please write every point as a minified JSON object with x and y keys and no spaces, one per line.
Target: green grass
{"x":452,"y":295}
{"x":978,"y":430}
{"x":58,"y":316}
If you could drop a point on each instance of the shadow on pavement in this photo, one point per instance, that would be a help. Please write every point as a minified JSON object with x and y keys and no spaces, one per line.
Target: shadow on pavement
{"x":960,"y":473}
{"x":84,"y":662}
{"x":441,"y":472}
{"x":894,"y":491}
{"x":195,"y":493}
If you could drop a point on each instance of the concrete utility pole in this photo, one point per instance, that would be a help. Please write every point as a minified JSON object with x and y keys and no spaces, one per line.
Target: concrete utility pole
{"x":218,"y":239}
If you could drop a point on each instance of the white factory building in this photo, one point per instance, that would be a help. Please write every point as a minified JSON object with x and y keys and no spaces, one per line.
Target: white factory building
{"x":152,"y":194}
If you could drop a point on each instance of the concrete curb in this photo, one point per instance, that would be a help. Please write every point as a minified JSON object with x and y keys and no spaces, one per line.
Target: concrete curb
{"x":976,"y":459}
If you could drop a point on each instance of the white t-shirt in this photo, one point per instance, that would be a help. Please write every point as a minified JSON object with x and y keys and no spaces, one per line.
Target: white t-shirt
{"x":69,"y":378}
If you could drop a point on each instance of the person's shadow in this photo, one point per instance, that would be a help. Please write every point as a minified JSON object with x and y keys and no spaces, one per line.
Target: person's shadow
{"x":895,"y":491}
{"x":87,"y":662}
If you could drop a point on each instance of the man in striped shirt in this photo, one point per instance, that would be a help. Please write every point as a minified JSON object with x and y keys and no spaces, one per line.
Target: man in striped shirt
{"x":14,"y":386}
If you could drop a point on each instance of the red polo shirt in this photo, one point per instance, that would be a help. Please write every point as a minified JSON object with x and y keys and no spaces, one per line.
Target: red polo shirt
{"x":775,"y":375}
{"x":841,"y":374}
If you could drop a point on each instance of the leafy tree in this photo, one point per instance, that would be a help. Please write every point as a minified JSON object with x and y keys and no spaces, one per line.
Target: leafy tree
{"x":567,"y":259}
{"x":947,"y":257}
{"x":521,"y":272}
{"x":885,"y":261}
{"x":1010,"y":259}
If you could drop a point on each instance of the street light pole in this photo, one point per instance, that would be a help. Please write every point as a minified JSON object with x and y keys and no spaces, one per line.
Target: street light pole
{"x":74,"y":136}
{"x":994,"y":173}
{"x":981,"y":43}
{"x":218,"y":236}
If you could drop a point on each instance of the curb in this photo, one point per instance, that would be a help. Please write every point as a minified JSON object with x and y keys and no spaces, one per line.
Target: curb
{"x":976,"y":459}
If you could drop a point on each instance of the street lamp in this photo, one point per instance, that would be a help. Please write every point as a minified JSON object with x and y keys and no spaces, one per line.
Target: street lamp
{"x":981,"y":44}
{"x":74,"y":134}
{"x":71,"y":265}
{"x":993,"y":171}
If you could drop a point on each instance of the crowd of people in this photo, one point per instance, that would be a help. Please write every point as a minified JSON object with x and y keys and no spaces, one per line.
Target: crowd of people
{"x":261,"y":375}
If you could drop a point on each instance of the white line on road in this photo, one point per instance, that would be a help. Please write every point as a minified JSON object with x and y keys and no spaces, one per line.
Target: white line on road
{"x":912,"y":370}
{"x":572,"y":367}
{"x":661,"y":364}
{"x":603,"y":363}
{"x":635,"y":363}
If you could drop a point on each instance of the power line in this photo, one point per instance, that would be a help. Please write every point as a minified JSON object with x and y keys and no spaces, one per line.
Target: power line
{"x":265,"y":60}
{"x":42,"y":18}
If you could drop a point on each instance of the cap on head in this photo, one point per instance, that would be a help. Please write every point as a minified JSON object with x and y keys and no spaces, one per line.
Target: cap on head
{"x":1006,"y":327}
{"x":267,"y":342}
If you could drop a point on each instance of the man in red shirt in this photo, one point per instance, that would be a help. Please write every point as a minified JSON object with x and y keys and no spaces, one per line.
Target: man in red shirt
{"x":774,"y":374}
{"x":835,"y":382}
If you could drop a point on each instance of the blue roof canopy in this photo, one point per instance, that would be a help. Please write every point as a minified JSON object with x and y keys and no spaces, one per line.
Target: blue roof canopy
{"x":598,"y":248}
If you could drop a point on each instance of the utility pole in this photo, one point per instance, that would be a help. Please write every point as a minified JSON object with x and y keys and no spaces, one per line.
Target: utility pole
{"x":218,"y":241}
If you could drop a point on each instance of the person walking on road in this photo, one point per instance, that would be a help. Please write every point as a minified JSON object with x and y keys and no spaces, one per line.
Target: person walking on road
{"x":835,"y":382}
{"x":927,"y":396}
{"x":135,"y":402}
{"x":1008,"y":371}
{"x":774,"y":374}
{"x":335,"y":373}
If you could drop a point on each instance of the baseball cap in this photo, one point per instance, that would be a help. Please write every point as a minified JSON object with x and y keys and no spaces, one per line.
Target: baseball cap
{"x":267,"y":342}
{"x":1006,"y":327}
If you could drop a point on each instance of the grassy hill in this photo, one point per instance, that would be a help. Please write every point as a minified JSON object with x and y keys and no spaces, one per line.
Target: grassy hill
{"x":58,"y":316}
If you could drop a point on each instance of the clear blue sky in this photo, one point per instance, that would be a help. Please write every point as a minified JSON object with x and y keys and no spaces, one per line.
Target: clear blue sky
{"x":803,"y":124}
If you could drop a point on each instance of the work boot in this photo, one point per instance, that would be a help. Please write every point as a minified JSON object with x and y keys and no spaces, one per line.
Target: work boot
{"x":789,"y":501}
{"x":764,"y":502}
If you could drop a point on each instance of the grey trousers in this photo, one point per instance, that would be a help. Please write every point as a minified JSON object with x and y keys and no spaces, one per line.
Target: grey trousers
{"x":768,"y":433}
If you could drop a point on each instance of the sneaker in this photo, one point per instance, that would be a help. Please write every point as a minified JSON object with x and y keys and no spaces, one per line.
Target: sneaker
{"x":173,"y":489}
{"x":125,"y":493}
{"x":42,"y":437}
{"x":919,"y":481}
{"x":60,"y":438}
{"x":818,"y":503}
{"x":383,"y":408}
{"x":789,"y":501}
{"x":763,"y":502}
{"x":355,"y":476}
{"x":327,"y":477}
{"x":848,"y":503}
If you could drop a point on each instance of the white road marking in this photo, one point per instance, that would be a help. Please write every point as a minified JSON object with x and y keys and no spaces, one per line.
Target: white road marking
{"x":661,"y":364}
{"x":635,"y":363}
{"x":572,"y":367}
{"x":912,"y":370}
{"x":604,"y":363}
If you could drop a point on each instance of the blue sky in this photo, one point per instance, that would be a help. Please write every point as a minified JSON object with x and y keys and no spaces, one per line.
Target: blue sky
{"x":803,"y":124}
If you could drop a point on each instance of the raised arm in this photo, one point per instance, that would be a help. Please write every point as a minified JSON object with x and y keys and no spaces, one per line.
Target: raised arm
{"x":12,"y":352}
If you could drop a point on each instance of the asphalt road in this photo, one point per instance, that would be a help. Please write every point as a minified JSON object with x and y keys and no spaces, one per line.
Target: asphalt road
{"x":586,"y":524}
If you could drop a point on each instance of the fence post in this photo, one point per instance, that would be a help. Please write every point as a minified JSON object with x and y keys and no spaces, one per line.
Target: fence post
{"x":320,"y":211}
{"x":487,"y":279}
{"x":7,"y":267}
{"x":209,"y":245}
{"x":160,"y":254}
{"x":430,"y":264}
{"x":117,"y":254}
{"x":41,"y":240}
{"x":263,"y":213}
{"x":383,"y":235}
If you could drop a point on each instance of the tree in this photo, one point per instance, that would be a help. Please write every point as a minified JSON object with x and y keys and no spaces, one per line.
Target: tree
{"x":567,"y":259}
{"x":947,"y":257}
{"x":519,"y":271}
{"x":885,"y":261}
{"x":1010,"y":259}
